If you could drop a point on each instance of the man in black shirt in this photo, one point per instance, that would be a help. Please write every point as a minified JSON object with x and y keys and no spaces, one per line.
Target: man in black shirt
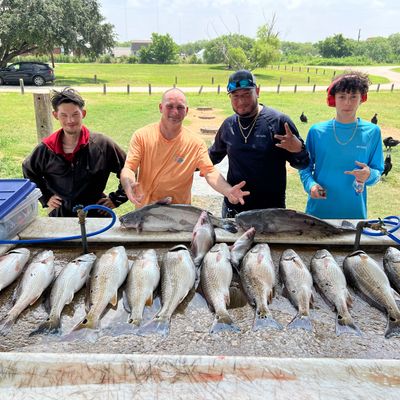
{"x":258,"y":141}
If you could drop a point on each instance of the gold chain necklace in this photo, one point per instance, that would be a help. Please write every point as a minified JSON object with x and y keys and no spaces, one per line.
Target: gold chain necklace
{"x":351,"y":137}
{"x":251,"y":126}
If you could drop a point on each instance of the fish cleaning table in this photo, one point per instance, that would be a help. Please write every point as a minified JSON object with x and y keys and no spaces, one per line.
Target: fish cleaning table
{"x":190,"y":362}
{"x":59,"y":227}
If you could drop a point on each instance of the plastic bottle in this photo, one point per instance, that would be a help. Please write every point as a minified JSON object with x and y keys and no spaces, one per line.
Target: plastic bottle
{"x":358,"y":186}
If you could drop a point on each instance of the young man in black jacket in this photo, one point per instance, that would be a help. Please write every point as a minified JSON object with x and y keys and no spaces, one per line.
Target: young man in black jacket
{"x":72,"y":165}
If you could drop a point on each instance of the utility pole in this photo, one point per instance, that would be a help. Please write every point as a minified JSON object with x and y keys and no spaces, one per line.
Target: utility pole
{"x":359,"y":35}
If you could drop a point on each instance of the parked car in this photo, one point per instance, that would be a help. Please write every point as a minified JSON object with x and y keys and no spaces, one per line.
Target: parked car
{"x":37,"y":73}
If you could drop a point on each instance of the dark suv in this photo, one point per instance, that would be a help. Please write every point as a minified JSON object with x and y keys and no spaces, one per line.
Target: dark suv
{"x":37,"y":73}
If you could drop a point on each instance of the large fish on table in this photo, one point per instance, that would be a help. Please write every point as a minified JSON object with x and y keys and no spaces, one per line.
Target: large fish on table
{"x":177,"y":279}
{"x":330,"y":280}
{"x":391,"y":264}
{"x":371,"y":282}
{"x":162,"y":217}
{"x":11,"y":265}
{"x":215,"y":278}
{"x":108,"y":275}
{"x":37,"y":277}
{"x":71,"y":279}
{"x":276,"y":220}
{"x":298,"y":287}
{"x":143,"y":279}
{"x":259,"y":277}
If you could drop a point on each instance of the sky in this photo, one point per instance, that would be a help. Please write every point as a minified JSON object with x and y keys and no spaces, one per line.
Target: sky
{"x":296,"y":20}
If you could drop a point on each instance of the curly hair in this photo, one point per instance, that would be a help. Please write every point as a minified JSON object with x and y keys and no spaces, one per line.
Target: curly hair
{"x":67,"y":95}
{"x":350,"y":82}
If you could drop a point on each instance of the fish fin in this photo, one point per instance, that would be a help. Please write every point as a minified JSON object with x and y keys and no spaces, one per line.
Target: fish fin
{"x":229,"y":226}
{"x":157,"y":326}
{"x":125,"y":302}
{"x":349,"y":300}
{"x":270,"y":296}
{"x":149,"y":300}
{"x":301,"y":322}
{"x":393,"y":328}
{"x":223,"y":323}
{"x":114,"y":299}
{"x":346,"y":325}
{"x":50,"y":326}
{"x":312,"y":300}
{"x":34,"y":300}
{"x":6,"y":324}
{"x":264,"y":321}
{"x":227,"y":298}
{"x":185,"y":301}
{"x":87,"y":335}
{"x":347,"y":225}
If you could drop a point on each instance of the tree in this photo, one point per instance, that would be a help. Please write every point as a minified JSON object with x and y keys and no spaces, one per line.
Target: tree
{"x":219,"y":50}
{"x":336,"y":46}
{"x":394,"y":41}
{"x":162,"y":50}
{"x":41,"y":25}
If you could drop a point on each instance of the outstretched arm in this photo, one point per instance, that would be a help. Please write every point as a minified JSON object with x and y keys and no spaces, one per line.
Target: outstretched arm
{"x":131,"y":186}
{"x":234,"y":194}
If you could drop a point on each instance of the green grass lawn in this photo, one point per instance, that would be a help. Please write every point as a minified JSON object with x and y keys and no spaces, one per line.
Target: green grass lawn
{"x":187,"y":75}
{"x":119,"y":115}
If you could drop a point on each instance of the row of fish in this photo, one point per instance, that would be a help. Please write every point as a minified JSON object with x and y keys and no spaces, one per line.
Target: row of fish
{"x":212,"y":265}
{"x":165,"y":217}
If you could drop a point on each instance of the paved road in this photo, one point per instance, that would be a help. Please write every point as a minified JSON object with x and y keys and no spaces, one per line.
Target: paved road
{"x":386,"y":71}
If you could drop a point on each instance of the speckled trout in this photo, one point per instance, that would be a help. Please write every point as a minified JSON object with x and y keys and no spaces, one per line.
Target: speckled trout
{"x":37,"y":277}
{"x":215,"y":278}
{"x":371,"y":282}
{"x":11,"y":266}
{"x":71,"y":279}
{"x":177,"y":279}
{"x":143,"y":279}
{"x":259,"y":276}
{"x":108,"y":274}
{"x":331,"y":283}
{"x":298,"y":287}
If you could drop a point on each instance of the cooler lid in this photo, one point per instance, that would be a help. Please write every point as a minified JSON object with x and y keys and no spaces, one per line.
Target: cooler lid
{"x":12,"y":192}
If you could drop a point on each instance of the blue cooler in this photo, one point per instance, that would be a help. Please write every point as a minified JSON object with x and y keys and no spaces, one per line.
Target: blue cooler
{"x":18,"y":206}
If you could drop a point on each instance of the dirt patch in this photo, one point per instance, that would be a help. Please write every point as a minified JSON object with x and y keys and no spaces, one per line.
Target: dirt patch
{"x":205,"y":121}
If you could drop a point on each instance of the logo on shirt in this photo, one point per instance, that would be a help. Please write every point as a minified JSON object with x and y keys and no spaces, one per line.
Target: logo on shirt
{"x":179,"y":159}
{"x":361,"y":147}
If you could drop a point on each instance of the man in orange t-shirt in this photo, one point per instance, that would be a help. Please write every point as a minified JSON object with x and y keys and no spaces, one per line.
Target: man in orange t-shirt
{"x":165,"y":155}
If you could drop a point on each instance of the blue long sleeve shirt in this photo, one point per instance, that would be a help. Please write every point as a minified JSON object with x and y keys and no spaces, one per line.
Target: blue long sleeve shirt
{"x":328,"y":161}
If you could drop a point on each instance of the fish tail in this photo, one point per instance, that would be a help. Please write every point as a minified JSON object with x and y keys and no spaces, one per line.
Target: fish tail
{"x":50,"y":326}
{"x":157,"y":326}
{"x":345,"y":324}
{"x":393,"y":328}
{"x":301,"y":322}
{"x":223,"y":322}
{"x":6,"y":325}
{"x":264,"y":320}
{"x":229,"y":226}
